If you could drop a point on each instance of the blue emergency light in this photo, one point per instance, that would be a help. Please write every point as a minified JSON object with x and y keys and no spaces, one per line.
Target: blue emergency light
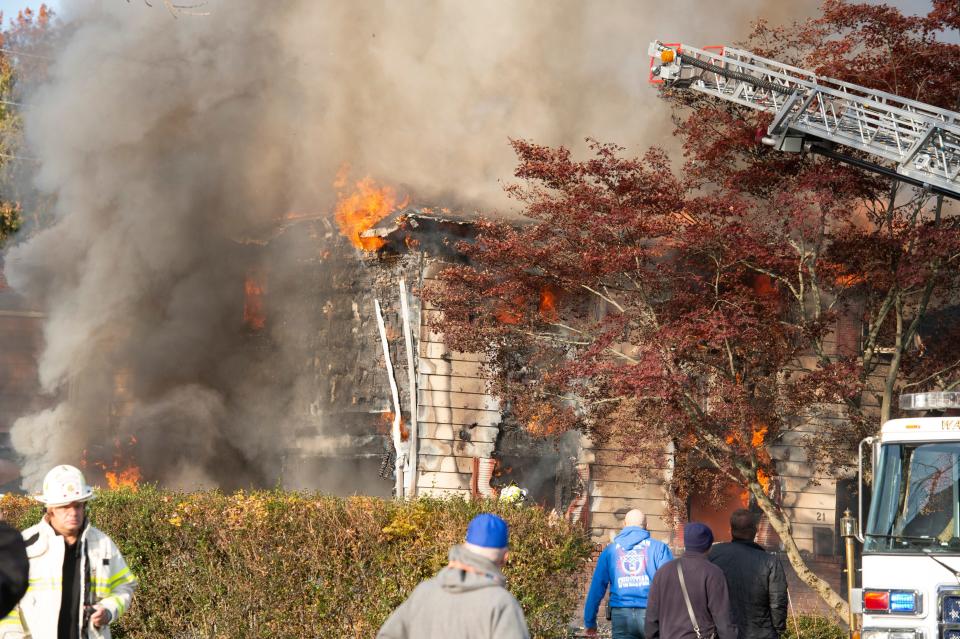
{"x":901,"y":601}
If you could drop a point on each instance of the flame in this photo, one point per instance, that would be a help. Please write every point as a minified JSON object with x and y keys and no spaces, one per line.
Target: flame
{"x":759,"y":433}
{"x":253,"y":289}
{"x":507,"y":316}
{"x":544,"y":422}
{"x":387,"y":420}
{"x":764,"y":480}
{"x":509,"y":312}
{"x":548,"y":304}
{"x":850,"y":279}
{"x":757,"y":437}
{"x":128,"y":477}
{"x":119,"y":474}
{"x":358,"y":211}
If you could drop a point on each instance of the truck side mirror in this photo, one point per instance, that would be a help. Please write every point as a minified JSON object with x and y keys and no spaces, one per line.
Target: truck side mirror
{"x":874,"y":442}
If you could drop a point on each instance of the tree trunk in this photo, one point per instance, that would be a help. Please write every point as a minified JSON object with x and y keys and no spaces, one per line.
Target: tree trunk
{"x":889,"y":386}
{"x":890,"y":381}
{"x":780,"y":523}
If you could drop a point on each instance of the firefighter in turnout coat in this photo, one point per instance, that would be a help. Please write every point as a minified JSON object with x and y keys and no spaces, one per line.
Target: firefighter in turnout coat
{"x":79,"y":582}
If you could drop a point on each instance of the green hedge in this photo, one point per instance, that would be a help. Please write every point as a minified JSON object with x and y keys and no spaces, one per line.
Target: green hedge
{"x":278,"y":564}
{"x":813,"y":627}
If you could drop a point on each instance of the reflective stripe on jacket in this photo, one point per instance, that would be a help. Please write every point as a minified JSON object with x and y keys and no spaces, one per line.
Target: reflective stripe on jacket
{"x":105,"y":580}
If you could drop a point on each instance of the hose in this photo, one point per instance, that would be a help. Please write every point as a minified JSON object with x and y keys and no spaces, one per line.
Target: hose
{"x":735,"y":75}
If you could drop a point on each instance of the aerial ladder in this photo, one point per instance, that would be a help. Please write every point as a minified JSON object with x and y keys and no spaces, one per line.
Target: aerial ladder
{"x":903,"y":139}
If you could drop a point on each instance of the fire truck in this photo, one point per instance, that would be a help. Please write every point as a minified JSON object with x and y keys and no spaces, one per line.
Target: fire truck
{"x":910,"y":565}
{"x":911,"y":541}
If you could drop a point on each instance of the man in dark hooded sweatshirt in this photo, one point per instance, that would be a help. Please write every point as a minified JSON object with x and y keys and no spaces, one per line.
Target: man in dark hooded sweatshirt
{"x":627,"y":566}
{"x":667,"y":614}
{"x":467,"y":599}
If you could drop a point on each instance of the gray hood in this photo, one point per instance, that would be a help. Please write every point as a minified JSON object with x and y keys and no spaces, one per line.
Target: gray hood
{"x":459,"y":580}
{"x":464,"y":600}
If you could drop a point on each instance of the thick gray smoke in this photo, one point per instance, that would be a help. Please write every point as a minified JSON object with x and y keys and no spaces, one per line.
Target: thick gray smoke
{"x":168,"y":142}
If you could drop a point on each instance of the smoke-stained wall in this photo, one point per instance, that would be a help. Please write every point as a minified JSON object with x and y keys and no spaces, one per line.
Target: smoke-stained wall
{"x":173,"y":146}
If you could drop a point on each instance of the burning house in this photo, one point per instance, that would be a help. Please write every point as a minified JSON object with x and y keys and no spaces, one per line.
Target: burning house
{"x":187,"y":323}
{"x":468,"y":444}
{"x":362,"y":326}
{"x":374,"y":402}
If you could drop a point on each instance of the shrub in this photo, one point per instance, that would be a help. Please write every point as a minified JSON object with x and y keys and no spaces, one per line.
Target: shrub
{"x":279,"y":564}
{"x":813,"y":627}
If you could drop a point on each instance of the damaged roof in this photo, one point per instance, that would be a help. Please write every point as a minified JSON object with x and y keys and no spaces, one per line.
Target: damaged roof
{"x":433,"y":231}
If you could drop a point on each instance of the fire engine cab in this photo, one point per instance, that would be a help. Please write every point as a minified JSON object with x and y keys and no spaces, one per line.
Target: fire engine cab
{"x":911,"y":541}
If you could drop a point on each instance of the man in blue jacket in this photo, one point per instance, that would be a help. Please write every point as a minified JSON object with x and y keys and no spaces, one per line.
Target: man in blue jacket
{"x":627,"y":566}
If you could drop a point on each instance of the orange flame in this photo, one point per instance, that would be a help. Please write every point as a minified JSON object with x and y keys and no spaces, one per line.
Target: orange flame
{"x":119,"y":474}
{"x":510,"y":312}
{"x":759,"y":433}
{"x":253,"y":315}
{"x":507,"y":316}
{"x":387,"y":421}
{"x":544,"y":422}
{"x":764,"y":480}
{"x":358,"y":211}
{"x":850,"y":279}
{"x":548,"y":304}
{"x":128,"y":477}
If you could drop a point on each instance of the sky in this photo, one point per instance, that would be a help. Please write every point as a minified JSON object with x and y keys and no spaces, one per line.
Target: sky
{"x":11,"y":7}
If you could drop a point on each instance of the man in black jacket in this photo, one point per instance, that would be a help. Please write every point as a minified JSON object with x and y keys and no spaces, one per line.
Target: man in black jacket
{"x":755,"y":579}
{"x":667,"y":613}
{"x":14,"y":568}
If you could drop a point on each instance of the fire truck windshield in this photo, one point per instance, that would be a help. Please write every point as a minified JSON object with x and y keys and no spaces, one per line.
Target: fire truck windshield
{"x":916,"y":499}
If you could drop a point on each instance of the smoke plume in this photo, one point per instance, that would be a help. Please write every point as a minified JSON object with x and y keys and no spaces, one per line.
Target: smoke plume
{"x":167,"y":143}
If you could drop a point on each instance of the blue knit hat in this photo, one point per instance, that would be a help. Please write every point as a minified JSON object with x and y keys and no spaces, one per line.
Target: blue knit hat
{"x":487,"y":531}
{"x":697,"y":537}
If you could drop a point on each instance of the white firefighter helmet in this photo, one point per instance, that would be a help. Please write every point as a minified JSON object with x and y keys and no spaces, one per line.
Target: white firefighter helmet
{"x":513,"y":494}
{"x":64,"y":485}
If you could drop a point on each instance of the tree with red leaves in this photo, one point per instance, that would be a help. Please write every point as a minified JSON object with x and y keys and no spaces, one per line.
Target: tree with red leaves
{"x":899,"y":256}
{"x":19,"y":64}
{"x":697,"y":315}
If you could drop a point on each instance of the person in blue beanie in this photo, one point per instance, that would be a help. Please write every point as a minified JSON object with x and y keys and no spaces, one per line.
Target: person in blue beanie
{"x":468,"y":597}
{"x":689,"y":597}
{"x":627,"y":566}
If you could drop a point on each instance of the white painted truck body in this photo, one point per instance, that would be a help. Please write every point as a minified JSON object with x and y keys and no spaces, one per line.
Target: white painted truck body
{"x":912,"y":538}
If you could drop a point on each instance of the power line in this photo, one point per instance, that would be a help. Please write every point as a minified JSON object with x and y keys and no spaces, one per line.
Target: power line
{"x":19,"y":157}
{"x":28,"y":55}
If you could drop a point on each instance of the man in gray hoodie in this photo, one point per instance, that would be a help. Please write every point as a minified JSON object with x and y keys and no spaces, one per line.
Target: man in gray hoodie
{"x":467,"y":599}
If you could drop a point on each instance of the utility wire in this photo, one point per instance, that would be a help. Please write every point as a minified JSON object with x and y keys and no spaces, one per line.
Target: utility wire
{"x":28,"y":55}
{"x":19,"y":157}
